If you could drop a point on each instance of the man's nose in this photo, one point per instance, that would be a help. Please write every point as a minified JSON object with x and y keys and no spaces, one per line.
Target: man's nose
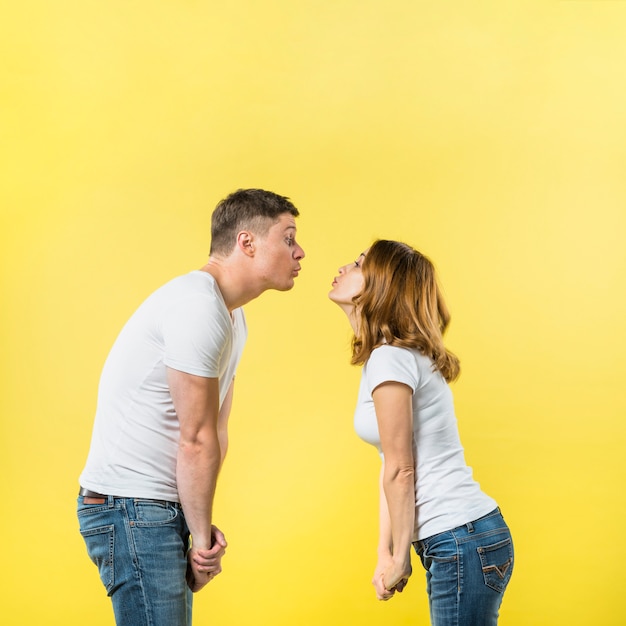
{"x":299,"y":253}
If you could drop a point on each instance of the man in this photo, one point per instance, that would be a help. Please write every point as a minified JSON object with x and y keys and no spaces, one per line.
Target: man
{"x":160,"y":431}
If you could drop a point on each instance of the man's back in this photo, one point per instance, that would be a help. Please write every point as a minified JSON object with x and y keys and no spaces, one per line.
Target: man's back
{"x":184,"y":325}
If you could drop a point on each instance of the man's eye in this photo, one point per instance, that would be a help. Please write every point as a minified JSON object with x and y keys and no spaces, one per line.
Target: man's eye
{"x":289,"y":241}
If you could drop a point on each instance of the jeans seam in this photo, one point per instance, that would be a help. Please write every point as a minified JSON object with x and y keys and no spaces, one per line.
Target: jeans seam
{"x":130,"y":526}
{"x":459,"y":579}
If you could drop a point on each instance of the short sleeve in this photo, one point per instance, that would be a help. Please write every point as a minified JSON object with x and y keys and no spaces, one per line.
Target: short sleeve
{"x":196,"y":331}
{"x":391,"y":364}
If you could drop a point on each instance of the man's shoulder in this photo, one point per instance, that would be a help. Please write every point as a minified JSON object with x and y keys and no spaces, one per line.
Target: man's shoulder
{"x":196,"y":279}
{"x":196,"y":283}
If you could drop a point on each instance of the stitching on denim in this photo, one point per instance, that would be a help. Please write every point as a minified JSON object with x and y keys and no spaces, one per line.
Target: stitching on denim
{"x":459,"y":577}
{"x":501,"y":572}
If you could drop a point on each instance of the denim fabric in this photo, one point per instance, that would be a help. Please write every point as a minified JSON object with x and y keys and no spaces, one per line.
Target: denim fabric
{"x":467,"y":571}
{"x":140,"y":547}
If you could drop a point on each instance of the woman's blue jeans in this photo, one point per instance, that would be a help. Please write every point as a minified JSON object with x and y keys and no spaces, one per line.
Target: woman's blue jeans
{"x":467,"y":570}
{"x":140,"y":548}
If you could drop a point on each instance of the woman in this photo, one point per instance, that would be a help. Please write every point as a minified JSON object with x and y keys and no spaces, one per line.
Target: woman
{"x":428,"y":497}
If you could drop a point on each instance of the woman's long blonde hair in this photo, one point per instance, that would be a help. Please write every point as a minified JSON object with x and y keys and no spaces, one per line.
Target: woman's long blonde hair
{"x":401,"y":305}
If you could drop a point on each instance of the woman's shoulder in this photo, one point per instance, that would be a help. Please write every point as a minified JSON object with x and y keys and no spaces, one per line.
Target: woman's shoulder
{"x":386,"y":351}
{"x":386,"y":355}
{"x":401,"y":356}
{"x":392,"y":363}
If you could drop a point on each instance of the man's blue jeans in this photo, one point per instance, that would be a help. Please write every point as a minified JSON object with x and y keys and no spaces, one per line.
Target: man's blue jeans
{"x":467,"y":571}
{"x":140,"y":548}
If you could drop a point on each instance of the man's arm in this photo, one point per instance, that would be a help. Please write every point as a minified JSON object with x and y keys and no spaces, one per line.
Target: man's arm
{"x":222,"y":421}
{"x":196,"y":401}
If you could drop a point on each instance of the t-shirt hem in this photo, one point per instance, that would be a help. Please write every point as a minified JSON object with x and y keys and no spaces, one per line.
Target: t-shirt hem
{"x":141,"y":493}
{"x":429,"y":529}
{"x":190,"y":369}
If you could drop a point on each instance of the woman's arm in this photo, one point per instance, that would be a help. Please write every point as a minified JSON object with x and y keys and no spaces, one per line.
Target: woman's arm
{"x":385,"y":544}
{"x":394,"y":412}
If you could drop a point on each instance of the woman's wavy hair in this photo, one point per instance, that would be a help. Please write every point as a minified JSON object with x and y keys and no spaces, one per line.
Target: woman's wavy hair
{"x":401,"y":305}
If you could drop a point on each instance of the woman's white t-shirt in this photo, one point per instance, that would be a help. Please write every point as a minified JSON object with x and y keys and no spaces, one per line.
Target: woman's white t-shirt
{"x":446,"y":495}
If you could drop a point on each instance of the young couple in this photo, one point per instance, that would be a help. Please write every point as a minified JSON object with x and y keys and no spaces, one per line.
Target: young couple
{"x":160,"y":431}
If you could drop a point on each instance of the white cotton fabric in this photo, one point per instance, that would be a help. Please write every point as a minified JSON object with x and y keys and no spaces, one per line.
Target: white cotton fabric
{"x":446,"y":495}
{"x":184,"y":325}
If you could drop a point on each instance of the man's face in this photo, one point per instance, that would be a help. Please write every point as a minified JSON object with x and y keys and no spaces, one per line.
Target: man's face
{"x":278,"y":255}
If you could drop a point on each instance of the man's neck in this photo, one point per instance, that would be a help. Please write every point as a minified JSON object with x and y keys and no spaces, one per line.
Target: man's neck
{"x":234,"y":285}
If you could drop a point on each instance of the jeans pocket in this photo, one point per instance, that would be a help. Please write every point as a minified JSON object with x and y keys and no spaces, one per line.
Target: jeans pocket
{"x":440,"y":556}
{"x":100,"y":542}
{"x":154,"y":513}
{"x":497,"y":564}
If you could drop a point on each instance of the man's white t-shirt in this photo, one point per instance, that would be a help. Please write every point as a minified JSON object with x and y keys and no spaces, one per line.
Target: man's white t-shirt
{"x":186,"y":326}
{"x":446,"y":495}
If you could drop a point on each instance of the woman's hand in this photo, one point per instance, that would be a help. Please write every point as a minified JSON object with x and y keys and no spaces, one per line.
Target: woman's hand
{"x":396,"y":575}
{"x":390,"y":576}
{"x":382,"y":593}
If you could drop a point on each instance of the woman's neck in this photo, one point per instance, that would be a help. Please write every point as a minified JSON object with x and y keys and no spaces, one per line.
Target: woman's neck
{"x":350,"y":311}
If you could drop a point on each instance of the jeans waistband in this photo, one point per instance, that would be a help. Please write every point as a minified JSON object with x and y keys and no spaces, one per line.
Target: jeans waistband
{"x":88,"y":493}
{"x":469,"y":529}
{"x":496,"y":511}
{"x":470,"y":525}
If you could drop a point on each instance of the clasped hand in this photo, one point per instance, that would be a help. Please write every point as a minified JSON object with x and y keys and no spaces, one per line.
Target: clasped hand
{"x":205,"y":564}
{"x":390,"y":577}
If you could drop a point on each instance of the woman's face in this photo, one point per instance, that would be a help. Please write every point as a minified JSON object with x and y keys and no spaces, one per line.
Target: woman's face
{"x":349,"y":283}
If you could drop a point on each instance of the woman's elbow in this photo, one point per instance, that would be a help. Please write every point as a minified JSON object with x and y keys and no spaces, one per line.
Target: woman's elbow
{"x":400,"y":474}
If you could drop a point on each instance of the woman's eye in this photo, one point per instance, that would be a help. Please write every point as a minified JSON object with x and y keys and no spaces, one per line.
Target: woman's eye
{"x":357,"y":264}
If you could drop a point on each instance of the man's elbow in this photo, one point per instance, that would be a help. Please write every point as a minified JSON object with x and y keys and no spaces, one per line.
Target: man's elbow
{"x":198,"y":445}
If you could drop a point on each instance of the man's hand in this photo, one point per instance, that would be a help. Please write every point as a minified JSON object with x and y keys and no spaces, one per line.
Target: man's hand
{"x":204,"y":565}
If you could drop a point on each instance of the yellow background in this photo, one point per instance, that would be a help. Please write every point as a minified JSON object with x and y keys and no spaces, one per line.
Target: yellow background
{"x":489,"y":135}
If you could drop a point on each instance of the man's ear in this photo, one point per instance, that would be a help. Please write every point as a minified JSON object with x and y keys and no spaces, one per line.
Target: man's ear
{"x":245,"y":242}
